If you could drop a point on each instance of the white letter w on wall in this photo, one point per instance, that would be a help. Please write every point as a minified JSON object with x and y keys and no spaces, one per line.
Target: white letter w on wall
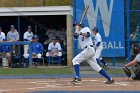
{"x":105,"y":14}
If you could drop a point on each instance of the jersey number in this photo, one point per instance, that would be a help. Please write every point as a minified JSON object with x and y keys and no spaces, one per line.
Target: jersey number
{"x":82,"y":38}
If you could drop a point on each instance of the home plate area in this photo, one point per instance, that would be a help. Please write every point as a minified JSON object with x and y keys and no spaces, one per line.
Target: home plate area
{"x":65,"y":84}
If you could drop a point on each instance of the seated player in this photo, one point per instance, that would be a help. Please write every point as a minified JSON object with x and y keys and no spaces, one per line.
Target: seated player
{"x":135,"y":62}
{"x":37,"y":49}
{"x":54,"y":50}
{"x":6,"y":52}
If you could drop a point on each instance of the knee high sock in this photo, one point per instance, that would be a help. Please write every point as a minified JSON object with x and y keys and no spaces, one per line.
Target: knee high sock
{"x":97,"y":59}
{"x":38,"y":60}
{"x":59,"y":59}
{"x":48,"y":59}
{"x":77,"y":70}
{"x":102,"y":72}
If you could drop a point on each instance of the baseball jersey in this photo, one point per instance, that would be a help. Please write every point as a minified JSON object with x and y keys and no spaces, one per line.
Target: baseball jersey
{"x":84,"y":41}
{"x":137,"y":58}
{"x":13,"y":35}
{"x":54,"y":48}
{"x":37,"y":47}
{"x":28,"y":36}
{"x":2,"y":36}
{"x":97,"y":39}
{"x":6,"y":48}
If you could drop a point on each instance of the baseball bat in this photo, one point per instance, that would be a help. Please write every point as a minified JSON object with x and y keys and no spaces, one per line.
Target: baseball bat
{"x":84,"y":14}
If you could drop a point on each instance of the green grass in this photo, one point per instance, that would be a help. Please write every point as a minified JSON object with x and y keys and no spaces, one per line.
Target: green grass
{"x":34,"y":71}
{"x":45,"y":71}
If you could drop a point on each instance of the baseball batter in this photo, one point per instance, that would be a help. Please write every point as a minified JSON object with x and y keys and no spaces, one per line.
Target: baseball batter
{"x":83,"y":34}
{"x":2,"y":35}
{"x":98,"y":46}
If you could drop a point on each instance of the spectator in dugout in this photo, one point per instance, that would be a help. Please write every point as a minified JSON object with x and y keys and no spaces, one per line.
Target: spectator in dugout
{"x":27,"y":37}
{"x":51,"y":32}
{"x":13,"y":36}
{"x":2,"y":35}
{"x":54,"y":50}
{"x":135,"y":36}
{"x":6,"y":51}
{"x":62,"y":38}
{"x":37,"y":50}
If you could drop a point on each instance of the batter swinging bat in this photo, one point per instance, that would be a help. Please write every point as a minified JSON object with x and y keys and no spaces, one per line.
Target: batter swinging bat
{"x":84,"y":14}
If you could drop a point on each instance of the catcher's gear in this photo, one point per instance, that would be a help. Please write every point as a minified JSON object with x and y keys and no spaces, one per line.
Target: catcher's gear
{"x":127,"y":72}
{"x":136,"y":69}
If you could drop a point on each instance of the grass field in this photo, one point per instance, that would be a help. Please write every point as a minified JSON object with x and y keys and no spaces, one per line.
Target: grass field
{"x":36,"y":71}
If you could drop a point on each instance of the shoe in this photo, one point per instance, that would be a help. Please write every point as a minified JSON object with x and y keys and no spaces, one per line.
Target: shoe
{"x":76,"y":79}
{"x":109,"y":81}
{"x":36,"y":64}
{"x":105,"y":66}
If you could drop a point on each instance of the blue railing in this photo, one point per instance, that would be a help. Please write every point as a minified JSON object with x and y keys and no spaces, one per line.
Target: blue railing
{"x":21,"y":43}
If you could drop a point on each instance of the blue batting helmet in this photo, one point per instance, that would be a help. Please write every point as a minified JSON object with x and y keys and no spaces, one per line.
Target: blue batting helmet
{"x":76,"y":23}
{"x":35,"y":37}
{"x":95,"y":29}
{"x":81,"y":25}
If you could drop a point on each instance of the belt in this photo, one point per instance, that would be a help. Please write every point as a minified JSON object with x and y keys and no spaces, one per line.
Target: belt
{"x":90,"y":46}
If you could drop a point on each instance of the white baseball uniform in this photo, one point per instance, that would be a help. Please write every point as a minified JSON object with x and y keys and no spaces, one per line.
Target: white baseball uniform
{"x":88,"y":53}
{"x":55,"y":49}
{"x":2,"y":36}
{"x":27,"y":37}
{"x":99,"y":48}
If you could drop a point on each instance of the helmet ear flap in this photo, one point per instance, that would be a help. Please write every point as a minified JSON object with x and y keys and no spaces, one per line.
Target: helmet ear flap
{"x":95,"y":29}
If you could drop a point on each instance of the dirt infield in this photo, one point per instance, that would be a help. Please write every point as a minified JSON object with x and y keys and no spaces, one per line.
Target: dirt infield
{"x":91,"y":84}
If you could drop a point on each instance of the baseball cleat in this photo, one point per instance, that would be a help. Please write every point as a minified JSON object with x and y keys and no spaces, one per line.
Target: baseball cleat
{"x":105,"y":66}
{"x":109,"y":81}
{"x":76,"y":79}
